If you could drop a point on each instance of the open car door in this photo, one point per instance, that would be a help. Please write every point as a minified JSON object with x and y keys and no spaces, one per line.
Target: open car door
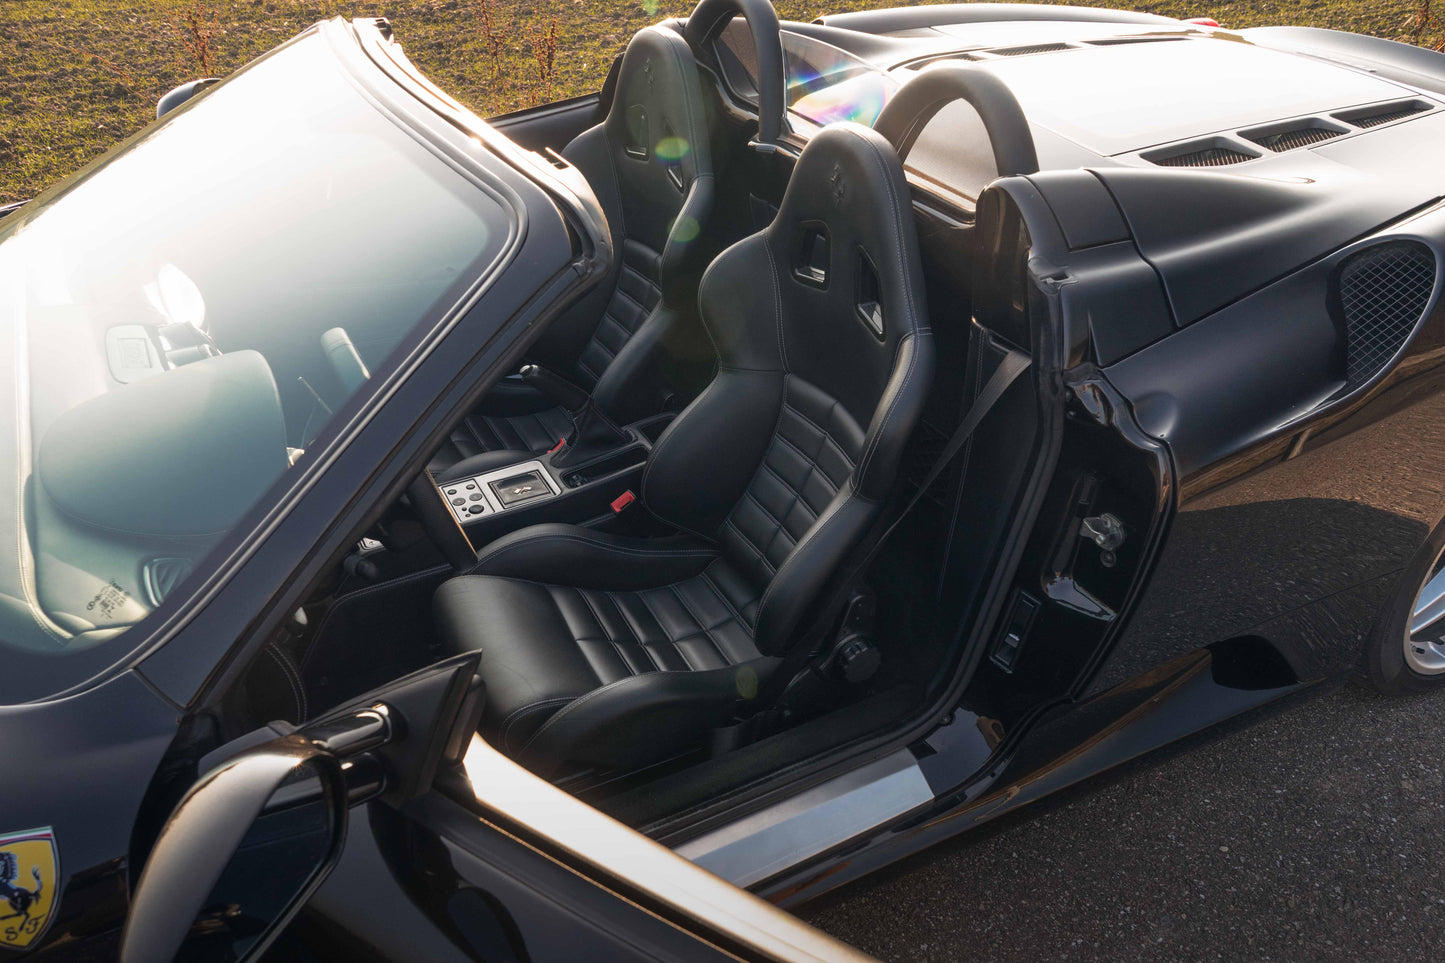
{"x":266,"y":829}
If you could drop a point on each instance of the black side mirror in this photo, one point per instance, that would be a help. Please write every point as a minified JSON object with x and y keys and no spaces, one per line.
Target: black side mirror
{"x":287,"y":795}
{"x":179,"y":95}
{"x":251,"y":841}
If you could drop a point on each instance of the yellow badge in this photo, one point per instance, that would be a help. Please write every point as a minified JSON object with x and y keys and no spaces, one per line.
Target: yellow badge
{"x":28,"y":875}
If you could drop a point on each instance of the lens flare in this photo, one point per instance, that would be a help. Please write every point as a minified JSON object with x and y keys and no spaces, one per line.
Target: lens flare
{"x":673,"y":149}
{"x":859,"y":99}
{"x":684,"y":229}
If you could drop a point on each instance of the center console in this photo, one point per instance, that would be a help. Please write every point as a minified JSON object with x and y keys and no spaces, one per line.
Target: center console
{"x":490,"y":496}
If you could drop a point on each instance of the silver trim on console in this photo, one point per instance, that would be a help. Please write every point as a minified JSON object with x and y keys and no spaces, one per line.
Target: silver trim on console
{"x":477,"y":491}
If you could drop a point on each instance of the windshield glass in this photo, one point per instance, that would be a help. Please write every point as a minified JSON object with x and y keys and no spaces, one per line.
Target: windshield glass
{"x":179,"y":323}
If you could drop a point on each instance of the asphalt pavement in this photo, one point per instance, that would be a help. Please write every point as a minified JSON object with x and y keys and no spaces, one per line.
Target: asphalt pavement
{"x":1312,"y":833}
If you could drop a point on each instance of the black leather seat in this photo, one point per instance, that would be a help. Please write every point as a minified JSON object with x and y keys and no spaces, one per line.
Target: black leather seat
{"x":615,"y":652}
{"x":634,"y":339}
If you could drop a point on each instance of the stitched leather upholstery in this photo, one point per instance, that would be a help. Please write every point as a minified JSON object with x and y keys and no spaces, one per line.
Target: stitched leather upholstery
{"x":616,"y":652}
{"x":634,"y":339}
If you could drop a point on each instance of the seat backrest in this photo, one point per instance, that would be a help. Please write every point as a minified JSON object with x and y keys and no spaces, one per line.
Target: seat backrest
{"x":650,"y":164}
{"x":825,"y":360}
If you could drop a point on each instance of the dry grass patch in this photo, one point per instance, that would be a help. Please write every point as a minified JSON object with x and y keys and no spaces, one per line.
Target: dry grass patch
{"x":77,"y":76}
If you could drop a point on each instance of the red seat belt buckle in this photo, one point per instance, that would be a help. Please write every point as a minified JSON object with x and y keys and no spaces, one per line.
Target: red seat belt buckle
{"x":622,"y":501}
{"x":560,"y":442}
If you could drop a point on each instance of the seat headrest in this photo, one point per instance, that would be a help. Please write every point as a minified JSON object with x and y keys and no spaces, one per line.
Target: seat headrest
{"x":658,"y":131}
{"x":849,"y":285}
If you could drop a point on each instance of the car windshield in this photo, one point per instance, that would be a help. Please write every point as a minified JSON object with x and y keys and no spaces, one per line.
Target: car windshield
{"x":179,"y":322}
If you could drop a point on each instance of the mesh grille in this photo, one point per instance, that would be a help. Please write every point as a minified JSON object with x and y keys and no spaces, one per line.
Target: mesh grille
{"x":1298,"y":137}
{"x":1037,"y":48}
{"x":1374,"y":117}
{"x":1208,"y":157}
{"x":1383,"y":292}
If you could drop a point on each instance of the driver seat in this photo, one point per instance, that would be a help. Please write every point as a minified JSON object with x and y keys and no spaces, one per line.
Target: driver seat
{"x":616,"y":652}
{"x":633,"y":340}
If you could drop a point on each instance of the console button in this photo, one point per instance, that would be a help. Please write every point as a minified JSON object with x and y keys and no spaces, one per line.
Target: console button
{"x":520,"y":488}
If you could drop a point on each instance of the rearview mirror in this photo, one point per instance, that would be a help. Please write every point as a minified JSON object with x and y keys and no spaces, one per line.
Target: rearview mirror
{"x":274,"y":815}
{"x":179,"y":95}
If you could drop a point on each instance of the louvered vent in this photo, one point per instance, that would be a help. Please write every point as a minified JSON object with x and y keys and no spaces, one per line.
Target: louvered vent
{"x":939,"y":58}
{"x":1382,"y":113}
{"x":1295,"y":137}
{"x":1037,"y":48}
{"x":1383,"y":292}
{"x":1120,"y":41}
{"x":1204,"y":157}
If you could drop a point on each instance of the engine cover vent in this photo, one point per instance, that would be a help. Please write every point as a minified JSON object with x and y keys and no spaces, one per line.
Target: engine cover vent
{"x":1210,"y":156}
{"x":1292,"y":138}
{"x":1368,"y":117}
{"x":1383,"y":292}
{"x":1037,"y":48}
{"x":922,"y":62}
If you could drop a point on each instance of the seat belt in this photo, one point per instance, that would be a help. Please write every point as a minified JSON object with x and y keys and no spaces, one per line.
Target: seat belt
{"x":1014,"y":363}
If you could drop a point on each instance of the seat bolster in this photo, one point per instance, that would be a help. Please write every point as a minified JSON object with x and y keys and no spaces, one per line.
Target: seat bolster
{"x":580,"y":557}
{"x":811,"y":565}
{"x":481,"y":463}
{"x":642,"y":719}
{"x":898,"y":411}
{"x":681,"y":260}
{"x":634,"y":385}
{"x":512,"y":396}
{"x":530,"y":657}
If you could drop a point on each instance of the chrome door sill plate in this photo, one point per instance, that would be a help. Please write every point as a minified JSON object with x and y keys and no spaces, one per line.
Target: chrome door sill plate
{"x":786,"y":833}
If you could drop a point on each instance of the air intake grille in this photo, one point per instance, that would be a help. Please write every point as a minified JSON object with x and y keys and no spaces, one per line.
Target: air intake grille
{"x":1383,"y":113}
{"x":1298,"y":137}
{"x":1037,"y":48}
{"x":1208,"y":157}
{"x":1383,"y":292}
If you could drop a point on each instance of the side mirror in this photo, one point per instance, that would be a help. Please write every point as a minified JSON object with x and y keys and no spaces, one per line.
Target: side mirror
{"x":179,"y":95}
{"x":286,"y":798}
{"x":251,"y":841}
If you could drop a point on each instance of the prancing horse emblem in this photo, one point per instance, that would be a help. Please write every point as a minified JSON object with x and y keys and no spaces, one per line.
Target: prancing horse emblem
{"x":28,"y":897}
{"x":836,"y":185}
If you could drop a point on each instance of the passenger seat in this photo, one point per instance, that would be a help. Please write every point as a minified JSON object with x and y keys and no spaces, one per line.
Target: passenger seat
{"x":635,"y":339}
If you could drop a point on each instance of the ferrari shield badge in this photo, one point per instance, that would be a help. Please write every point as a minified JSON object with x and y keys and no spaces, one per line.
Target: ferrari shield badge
{"x":28,"y":874}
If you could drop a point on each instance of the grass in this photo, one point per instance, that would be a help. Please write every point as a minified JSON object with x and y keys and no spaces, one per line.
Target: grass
{"x":77,"y":76}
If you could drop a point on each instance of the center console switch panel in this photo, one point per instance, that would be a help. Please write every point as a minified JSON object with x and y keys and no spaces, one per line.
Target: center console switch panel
{"x":535,"y":489}
{"x":496,"y":491}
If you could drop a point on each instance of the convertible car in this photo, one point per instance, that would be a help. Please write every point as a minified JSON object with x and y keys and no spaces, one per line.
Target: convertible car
{"x":587,"y":533}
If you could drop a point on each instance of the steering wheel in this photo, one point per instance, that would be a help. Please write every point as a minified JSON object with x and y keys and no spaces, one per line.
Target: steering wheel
{"x":708,"y":19}
{"x":935,"y":87}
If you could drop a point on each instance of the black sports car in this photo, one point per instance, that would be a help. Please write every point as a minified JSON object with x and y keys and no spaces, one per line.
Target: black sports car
{"x":580,"y":533}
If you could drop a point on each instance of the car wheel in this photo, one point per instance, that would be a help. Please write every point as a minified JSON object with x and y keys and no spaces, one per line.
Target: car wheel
{"x":1406,"y":651}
